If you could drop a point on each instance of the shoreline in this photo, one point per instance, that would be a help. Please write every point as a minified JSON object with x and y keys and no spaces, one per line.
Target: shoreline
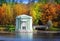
{"x":48,"y":31}
{"x":5,"y":32}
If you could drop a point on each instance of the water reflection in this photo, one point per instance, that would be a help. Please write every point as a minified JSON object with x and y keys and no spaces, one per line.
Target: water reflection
{"x":47,"y":35}
{"x":31,"y":37}
{"x":24,"y":35}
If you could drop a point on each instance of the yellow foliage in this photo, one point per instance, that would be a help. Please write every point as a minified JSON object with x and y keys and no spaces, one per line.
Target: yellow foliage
{"x":8,"y":13}
{"x":33,"y":13}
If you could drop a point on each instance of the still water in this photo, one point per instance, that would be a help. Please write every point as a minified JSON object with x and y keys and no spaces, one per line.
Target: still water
{"x":30,"y":37}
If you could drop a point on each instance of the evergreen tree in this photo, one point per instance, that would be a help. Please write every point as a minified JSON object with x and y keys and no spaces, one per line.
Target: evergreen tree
{"x":2,"y":1}
{"x":57,"y":1}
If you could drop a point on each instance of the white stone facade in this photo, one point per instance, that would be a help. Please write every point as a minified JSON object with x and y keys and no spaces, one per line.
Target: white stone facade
{"x":24,"y":23}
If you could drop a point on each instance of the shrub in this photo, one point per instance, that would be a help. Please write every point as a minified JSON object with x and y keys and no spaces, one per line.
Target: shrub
{"x":10,"y":28}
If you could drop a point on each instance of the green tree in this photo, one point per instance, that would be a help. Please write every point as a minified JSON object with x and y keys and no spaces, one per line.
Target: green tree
{"x":31,"y":1}
{"x":2,"y":1}
{"x":42,"y":1}
{"x":46,"y":1}
{"x":57,"y":1}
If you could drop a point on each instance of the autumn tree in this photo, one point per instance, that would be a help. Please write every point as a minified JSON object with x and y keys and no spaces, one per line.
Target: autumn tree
{"x":49,"y":12}
{"x":20,"y":9}
{"x":58,"y":14}
{"x":35,"y":12}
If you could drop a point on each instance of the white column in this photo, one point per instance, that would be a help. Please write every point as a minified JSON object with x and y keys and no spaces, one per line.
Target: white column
{"x":31,"y":24}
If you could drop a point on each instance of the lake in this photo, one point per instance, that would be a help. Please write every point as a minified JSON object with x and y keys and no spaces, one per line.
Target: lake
{"x":30,"y":37}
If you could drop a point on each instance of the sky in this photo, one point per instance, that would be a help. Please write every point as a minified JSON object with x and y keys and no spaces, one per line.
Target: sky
{"x":25,"y":1}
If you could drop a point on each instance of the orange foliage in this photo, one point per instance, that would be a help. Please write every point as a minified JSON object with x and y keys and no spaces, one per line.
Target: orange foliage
{"x":49,"y":11}
{"x":8,"y":13}
{"x":20,"y":9}
{"x":2,"y":14}
{"x":58,"y":6}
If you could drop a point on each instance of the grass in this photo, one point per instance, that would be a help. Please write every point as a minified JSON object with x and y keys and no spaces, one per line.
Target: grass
{"x":54,"y":29}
